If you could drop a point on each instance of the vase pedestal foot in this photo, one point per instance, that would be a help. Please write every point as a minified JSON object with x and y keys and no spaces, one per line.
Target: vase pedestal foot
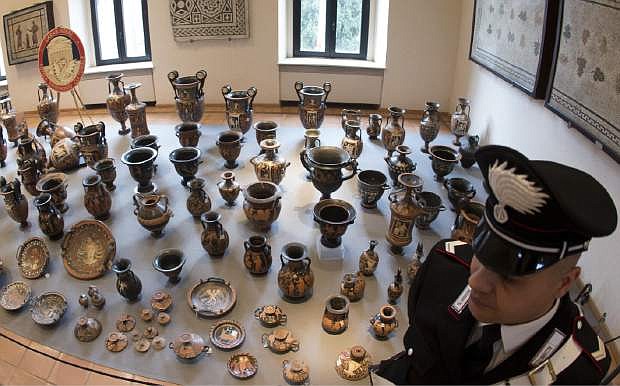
{"x":329,"y":254}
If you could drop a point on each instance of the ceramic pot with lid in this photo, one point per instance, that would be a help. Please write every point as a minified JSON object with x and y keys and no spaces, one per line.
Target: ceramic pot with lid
{"x":280,"y":341}
{"x":352,"y":286}
{"x":270,"y":315}
{"x":295,"y":372}
{"x":189,"y":346}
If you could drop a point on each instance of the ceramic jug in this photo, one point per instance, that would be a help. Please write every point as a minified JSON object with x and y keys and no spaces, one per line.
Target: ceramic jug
{"x":214,"y":237}
{"x":257,"y":256}
{"x":198,"y":201}
{"x":393,"y":134}
{"x":295,"y":277}
{"x":128,"y":284}
{"x":153,"y":212}
{"x":48,"y":105}
{"x":51,"y":221}
{"x":117,"y":101}
{"x":97,"y":199}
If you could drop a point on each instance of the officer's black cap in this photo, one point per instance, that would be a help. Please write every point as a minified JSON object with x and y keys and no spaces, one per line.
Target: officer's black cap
{"x":537,"y":212}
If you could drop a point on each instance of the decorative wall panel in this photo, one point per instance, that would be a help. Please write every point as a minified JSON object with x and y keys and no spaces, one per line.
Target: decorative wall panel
{"x":209,"y":19}
{"x":585,"y":84}
{"x":24,"y":29}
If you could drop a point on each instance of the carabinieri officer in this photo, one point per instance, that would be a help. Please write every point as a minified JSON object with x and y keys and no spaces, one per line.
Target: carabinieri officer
{"x":498,"y":311}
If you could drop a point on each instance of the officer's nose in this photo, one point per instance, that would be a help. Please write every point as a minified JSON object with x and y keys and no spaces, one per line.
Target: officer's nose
{"x":481,"y":279}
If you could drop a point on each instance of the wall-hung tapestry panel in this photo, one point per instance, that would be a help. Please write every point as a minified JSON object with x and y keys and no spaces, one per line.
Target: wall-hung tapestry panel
{"x":585,"y":84}
{"x":514,"y":40}
{"x":24,"y":30}
{"x":209,"y":19}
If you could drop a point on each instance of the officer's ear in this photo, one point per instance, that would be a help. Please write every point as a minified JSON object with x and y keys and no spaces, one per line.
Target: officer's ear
{"x":569,"y":272}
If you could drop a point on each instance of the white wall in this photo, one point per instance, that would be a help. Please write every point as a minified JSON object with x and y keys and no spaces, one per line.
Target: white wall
{"x":506,"y":116}
{"x":420,"y":58}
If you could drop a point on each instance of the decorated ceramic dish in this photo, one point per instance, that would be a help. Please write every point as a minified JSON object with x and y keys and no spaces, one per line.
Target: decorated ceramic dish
{"x":88,"y":249}
{"x":15,"y":295}
{"x":227,"y":334}
{"x":32,"y":257}
{"x":211,"y":298}
{"x":242,"y":365}
{"x":161,"y":301}
{"x":48,"y":308}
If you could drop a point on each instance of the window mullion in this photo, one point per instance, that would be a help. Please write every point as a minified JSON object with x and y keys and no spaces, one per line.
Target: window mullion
{"x":120,"y":29}
{"x":330,"y":30}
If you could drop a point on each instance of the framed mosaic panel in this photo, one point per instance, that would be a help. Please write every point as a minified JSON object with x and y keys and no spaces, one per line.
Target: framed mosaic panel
{"x":24,"y":29}
{"x":209,"y":19}
{"x":514,"y":39}
{"x":585,"y":82}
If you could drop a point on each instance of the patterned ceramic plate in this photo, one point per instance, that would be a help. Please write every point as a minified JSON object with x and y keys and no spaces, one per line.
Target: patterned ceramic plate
{"x":242,"y":365}
{"x":227,"y":334}
{"x":211,"y":298}
{"x":88,"y":249}
{"x":48,"y":308}
{"x":15,"y":295}
{"x":32,"y":257}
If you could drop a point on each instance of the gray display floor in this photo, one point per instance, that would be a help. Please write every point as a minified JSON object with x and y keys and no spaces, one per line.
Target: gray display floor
{"x":317,"y":348}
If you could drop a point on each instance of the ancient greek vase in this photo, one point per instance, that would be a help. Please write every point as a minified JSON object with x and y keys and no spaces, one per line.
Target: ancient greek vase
{"x":31,"y":162}
{"x":325,"y":165}
{"x":14,"y":201}
{"x":141,"y":164}
{"x":468,"y":149}
{"x":229,"y":189}
{"x":312,"y":103}
{"x":444,"y":159}
{"x":65,"y":155}
{"x":352,"y":286}
{"x":431,"y":204}
{"x":229,"y":144}
{"x":334,"y":217}
{"x":429,"y":125}
{"x":336,"y":315}
{"x":352,"y":141}
{"x":265,"y":130}
{"x":56,"y":185}
{"x":198,"y":201}
{"x":214,"y":238}
{"x":393,"y":134}
{"x":188,"y":134}
{"x":153,"y":212}
{"x":92,"y":142}
{"x":311,"y":140}
{"x":384,"y":322}
{"x":137,"y":113}
{"x":128,"y":284}
{"x":460,"y":121}
{"x":117,"y":101}
{"x":9,"y":120}
{"x":369,"y":259}
{"x":416,"y":262}
{"x":97,"y":199}
{"x":349,"y":115}
{"x":295,"y":278}
{"x":189,"y":95}
{"x":186,"y":161}
{"x":374,"y":126}
{"x":371,"y":184}
{"x":403,"y":212}
{"x":107,"y":171}
{"x":467,"y":219}
{"x":295,"y":372}
{"x":50,"y":219}
{"x":395,"y":289}
{"x":460,"y":192}
{"x":48,"y":105}
{"x":400,"y":163}
{"x":239,"y":107}
{"x":269,"y":166}
{"x":262,"y":204}
{"x":257,"y":256}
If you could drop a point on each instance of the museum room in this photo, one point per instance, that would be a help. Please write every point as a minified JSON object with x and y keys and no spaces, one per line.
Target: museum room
{"x":348,"y":192}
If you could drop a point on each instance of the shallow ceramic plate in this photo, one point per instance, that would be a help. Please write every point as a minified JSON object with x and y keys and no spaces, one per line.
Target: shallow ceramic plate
{"x":242,"y":365}
{"x":227,"y":334}
{"x":88,"y":249}
{"x":15,"y":295}
{"x":211,"y":298}
{"x":32,"y":257}
{"x":48,"y":308}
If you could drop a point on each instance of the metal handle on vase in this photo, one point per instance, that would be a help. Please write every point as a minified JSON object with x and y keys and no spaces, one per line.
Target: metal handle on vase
{"x":298,"y":86}
{"x":327,"y":87}
{"x":252,"y":91}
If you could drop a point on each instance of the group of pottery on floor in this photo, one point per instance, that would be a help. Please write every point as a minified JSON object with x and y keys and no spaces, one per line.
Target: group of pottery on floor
{"x":89,"y":249}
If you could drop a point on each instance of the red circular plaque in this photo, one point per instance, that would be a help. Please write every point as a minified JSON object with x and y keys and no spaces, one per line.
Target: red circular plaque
{"x":61,"y":59}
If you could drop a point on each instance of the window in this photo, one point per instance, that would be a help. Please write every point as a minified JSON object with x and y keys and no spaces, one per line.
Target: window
{"x":331,"y":28}
{"x":120,"y":31}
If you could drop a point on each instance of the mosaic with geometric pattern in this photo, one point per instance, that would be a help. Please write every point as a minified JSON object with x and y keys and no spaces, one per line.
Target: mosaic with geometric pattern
{"x":209,"y":19}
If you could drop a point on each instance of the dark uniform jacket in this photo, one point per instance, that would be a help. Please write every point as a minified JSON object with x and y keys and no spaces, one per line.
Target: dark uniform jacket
{"x":437,"y":334}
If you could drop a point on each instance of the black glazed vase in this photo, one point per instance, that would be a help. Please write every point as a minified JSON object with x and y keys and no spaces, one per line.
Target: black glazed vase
{"x":127,"y":283}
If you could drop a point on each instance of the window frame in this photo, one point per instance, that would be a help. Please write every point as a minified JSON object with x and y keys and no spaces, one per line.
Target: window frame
{"x":330,"y":33}
{"x":120,"y":35}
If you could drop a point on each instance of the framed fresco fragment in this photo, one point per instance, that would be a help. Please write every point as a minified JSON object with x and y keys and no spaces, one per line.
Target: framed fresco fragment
{"x":585,"y":82}
{"x":514,"y":39}
{"x":24,"y":29}
{"x":209,"y":19}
